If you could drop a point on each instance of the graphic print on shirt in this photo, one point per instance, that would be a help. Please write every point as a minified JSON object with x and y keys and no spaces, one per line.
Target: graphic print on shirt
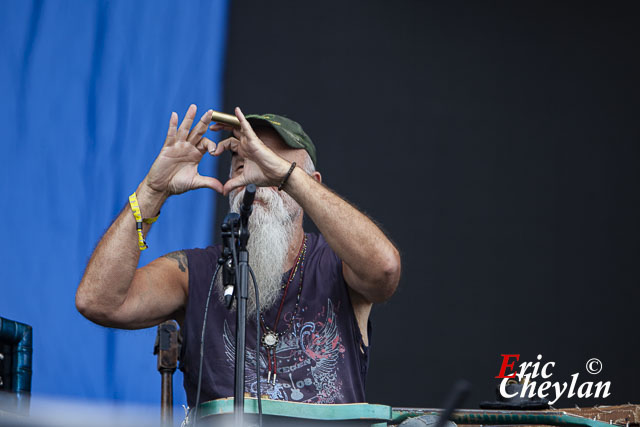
{"x":308,"y":359}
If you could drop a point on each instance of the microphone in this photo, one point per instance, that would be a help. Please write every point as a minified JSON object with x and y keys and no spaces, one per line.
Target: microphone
{"x":229,"y":223}
{"x":247,"y":204}
{"x":228,"y":296}
{"x":247,"y":200}
{"x":228,"y":277}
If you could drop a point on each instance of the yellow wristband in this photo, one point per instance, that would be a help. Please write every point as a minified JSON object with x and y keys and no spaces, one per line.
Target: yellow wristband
{"x":151,"y":220}
{"x":135,"y":208}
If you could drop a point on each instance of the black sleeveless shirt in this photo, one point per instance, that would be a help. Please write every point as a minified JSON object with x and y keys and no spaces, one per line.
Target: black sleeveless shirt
{"x":321,"y":357}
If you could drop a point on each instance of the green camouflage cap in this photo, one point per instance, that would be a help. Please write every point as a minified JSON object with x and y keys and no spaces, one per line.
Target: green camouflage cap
{"x":290,"y":131}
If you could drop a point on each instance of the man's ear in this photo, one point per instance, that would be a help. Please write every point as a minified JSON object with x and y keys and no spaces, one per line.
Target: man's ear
{"x":317,"y":176}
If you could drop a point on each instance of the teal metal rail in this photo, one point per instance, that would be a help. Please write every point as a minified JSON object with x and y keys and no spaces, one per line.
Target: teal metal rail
{"x":381,"y":415}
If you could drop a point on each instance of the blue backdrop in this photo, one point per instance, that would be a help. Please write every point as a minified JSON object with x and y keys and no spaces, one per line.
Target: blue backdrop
{"x":87,"y":88}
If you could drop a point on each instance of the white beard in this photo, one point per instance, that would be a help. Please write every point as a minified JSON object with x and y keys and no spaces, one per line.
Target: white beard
{"x":272,"y":227}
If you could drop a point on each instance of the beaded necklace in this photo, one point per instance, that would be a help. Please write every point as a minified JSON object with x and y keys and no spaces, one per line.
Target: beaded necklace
{"x":270,"y":337}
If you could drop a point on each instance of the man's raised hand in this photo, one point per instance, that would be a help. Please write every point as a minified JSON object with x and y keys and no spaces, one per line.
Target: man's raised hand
{"x":262,"y":166}
{"x":175,"y":170}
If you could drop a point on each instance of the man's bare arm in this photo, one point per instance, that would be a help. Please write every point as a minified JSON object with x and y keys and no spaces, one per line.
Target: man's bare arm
{"x":371,"y":263}
{"x":112,"y":291}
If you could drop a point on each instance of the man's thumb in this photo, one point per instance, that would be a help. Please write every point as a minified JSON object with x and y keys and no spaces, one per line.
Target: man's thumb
{"x":200,"y":181}
{"x":232,"y":184}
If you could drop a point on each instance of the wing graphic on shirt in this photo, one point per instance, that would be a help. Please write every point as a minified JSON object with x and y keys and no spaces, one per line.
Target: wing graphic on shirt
{"x":250,"y":357}
{"x":321,"y":342}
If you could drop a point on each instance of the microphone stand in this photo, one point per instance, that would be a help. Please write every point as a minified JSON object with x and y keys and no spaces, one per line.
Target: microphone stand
{"x":230,"y":231}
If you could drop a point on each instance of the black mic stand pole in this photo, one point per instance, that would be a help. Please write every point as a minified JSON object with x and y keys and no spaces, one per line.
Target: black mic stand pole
{"x":242,"y":292}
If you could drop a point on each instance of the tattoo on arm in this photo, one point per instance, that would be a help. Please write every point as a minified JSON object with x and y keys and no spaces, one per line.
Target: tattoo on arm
{"x":181,"y":259}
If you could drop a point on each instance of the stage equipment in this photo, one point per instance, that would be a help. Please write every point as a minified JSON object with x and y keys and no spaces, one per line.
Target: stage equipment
{"x":454,"y":400}
{"x":225,"y":118}
{"x":235,"y":235}
{"x":227,"y":260}
{"x":282,"y":413}
{"x":514,"y":388}
{"x":15,"y":377}
{"x":167,"y":347}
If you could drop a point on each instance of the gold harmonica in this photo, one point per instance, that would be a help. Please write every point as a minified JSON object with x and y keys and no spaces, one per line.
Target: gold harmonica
{"x":225,"y":118}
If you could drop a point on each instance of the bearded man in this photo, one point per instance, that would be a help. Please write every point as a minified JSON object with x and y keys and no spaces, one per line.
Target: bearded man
{"x":316,"y":291}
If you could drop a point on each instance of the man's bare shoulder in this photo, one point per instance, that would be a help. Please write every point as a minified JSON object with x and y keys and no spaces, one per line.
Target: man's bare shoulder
{"x":180,"y":257}
{"x":171,"y":269}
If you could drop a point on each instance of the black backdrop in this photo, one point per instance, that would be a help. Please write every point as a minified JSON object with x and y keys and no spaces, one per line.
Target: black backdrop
{"x":497,"y":143}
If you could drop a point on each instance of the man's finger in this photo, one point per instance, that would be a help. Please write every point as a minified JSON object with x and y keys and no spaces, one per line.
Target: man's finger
{"x":232,"y":184}
{"x":228,"y":144}
{"x":244,"y":124}
{"x":200,"y":128}
{"x":205,"y":144}
{"x":200,"y":181}
{"x":220,"y":126}
{"x":173,"y":129}
{"x":183,"y":130}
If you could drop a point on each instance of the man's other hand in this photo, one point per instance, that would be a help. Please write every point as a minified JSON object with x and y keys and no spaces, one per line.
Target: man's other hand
{"x":260,"y":164}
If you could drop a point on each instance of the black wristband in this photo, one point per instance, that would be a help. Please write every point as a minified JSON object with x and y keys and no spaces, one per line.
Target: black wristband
{"x":286,"y":177}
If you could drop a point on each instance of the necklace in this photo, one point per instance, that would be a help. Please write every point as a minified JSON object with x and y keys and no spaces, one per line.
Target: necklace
{"x":270,"y":337}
